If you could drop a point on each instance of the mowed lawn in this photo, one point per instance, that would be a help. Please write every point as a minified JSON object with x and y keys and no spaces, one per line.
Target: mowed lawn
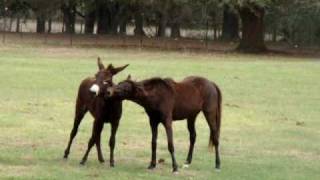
{"x":270,"y":125}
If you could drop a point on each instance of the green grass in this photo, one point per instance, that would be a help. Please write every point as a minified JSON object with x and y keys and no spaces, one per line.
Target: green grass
{"x":264,"y":98}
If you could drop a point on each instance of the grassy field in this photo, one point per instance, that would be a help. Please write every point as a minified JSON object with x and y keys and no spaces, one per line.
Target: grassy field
{"x":270,"y":125}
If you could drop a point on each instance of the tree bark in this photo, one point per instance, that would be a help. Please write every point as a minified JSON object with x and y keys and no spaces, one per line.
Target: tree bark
{"x":175,"y":30}
{"x":138,"y":20}
{"x":252,"y":29}
{"x":230,"y":26}
{"x":123,"y":26}
{"x":89,"y":19}
{"x":69,"y":15}
{"x":41,"y":24}
{"x":49,"y":25}
{"x":163,"y":19}
{"x":102,"y":18}
{"x":18,"y":25}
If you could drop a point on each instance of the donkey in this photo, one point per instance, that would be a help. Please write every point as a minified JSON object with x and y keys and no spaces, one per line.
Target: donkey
{"x":90,"y":98}
{"x":165,"y":100}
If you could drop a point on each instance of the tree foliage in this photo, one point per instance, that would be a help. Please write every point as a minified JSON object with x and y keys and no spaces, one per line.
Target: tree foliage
{"x":294,"y":21}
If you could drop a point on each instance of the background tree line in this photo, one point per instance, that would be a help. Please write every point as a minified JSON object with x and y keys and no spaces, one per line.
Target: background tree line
{"x":293,"y":21}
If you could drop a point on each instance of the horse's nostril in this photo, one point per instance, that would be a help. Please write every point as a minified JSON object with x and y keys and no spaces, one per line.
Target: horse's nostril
{"x":109,"y":92}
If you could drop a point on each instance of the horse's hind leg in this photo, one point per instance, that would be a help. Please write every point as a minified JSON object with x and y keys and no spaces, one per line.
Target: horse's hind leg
{"x":193,"y":135}
{"x":112,"y":141}
{"x":96,"y":131}
{"x":211,"y":117}
{"x":79,"y":114}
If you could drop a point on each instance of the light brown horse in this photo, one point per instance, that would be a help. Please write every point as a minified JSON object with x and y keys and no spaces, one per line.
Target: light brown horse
{"x":165,"y":100}
{"x":91,"y":98}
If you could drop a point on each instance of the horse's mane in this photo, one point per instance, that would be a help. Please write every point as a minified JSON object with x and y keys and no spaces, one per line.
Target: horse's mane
{"x":159,"y":82}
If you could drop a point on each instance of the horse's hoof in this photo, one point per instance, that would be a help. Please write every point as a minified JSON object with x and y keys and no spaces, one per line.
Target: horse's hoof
{"x":82,"y":163}
{"x":101,"y":161}
{"x":185,"y":165}
{"x":65,"y":156}
{"x":112,"y":165}
{"x":151,"y":167}
{"x":175,"y":172}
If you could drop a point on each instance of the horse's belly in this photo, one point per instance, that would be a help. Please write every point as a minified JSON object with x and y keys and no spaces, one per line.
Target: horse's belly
{"x":183,"y":113}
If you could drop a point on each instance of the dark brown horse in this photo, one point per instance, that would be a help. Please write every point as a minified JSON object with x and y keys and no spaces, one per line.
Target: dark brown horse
{"x":165,"y":100}
{"x":90,"y":98}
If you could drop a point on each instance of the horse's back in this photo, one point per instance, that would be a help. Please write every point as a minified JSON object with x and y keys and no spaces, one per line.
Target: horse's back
{"x":209,"y":91}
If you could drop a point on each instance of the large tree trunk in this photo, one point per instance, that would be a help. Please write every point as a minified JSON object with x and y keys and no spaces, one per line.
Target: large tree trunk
{"x":175,"y":30}
{"x":162,"y":25}
{"x":123,"y":24}
{"x":163,"y":19}
{"x":41,"y":24}
{"x":18,"y":25}
{"x":102,"y":18}
{"x":49,"y":25}
{"x":138,"y":20}
{"x":69,"y":16}
{"x":175,"y":19}
{"x":252,"y":29}
{"x":230,"y":26}
{"x":108,"y":17}
{"x":90,"y":18}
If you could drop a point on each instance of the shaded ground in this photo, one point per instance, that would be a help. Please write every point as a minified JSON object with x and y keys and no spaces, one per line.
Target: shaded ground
{"x":168,"y":44}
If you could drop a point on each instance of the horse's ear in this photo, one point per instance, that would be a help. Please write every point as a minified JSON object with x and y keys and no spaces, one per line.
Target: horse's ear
{"x":117,"y":69}
{"x":129,"y":77}
{"x":100,"y":65}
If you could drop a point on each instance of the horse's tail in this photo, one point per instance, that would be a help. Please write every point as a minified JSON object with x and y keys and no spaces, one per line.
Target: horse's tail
{"x":215,"y":126}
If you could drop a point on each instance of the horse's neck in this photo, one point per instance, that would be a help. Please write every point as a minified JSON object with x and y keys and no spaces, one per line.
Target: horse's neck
{"x":140,"y":99}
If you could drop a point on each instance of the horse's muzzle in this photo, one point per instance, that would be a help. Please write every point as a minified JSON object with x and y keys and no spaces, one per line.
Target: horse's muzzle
{"x":109,"y":92}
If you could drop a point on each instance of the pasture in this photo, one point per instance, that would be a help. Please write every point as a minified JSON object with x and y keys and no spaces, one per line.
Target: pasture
{"x":270,"y":120}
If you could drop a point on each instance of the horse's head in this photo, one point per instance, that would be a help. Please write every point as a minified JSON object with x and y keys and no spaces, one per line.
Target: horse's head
{"x":124,"y":90}
{"x":104,"y":76}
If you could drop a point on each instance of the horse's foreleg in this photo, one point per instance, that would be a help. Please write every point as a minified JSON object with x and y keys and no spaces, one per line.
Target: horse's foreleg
{"x":79,"y":114}
{"x":168,"y":126}
{"x":154,"y":130}
{"x":192,"y":137}
{"x":112,"y":142}
{"x":96,"y":131}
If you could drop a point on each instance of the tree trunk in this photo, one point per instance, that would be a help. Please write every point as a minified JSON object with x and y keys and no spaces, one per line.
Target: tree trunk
{"x":18,"y":25}
{"x":90,"y":18}
{"x":274,"y":35}
{"x":49,"y":25}
{"x":163,"y":19}
{"x":41,"y":24}
{"x":162,"y":25}
{"x":175,"y":30}
{"x":108,"y":17}
{"x":123,"y":26}
{"x":230,"y":26}
{"x":252,"y":29}
{"x":138,"y":20}
{"x":10,"y":23}
{"x":103,"y":18}
{"x":69,"y":15}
